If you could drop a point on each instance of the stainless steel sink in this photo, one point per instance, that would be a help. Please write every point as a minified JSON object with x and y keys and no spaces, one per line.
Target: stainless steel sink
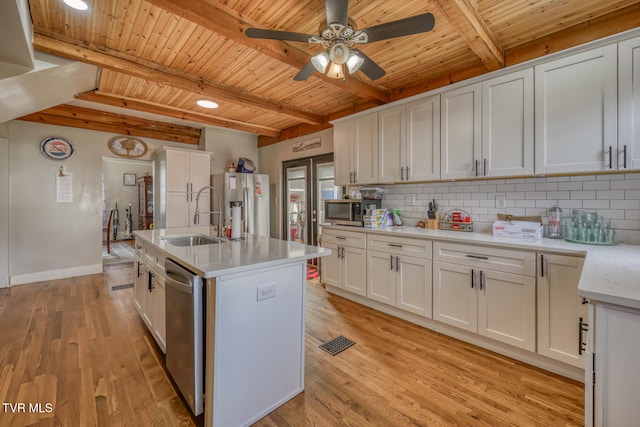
{"x":192,"y":240}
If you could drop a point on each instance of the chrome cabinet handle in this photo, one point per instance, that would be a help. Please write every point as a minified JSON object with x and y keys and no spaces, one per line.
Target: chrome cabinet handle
{"x":624,"y":157}
{"x":395,"y":245}
{"x":401,"y":173}
{"x":484,"y":172}
{"x":477,"y":167}
{"x":406,"y":173}
{"x":610,"y":157}
{"x":482,"y":280}
{"x":392,"y":267}
{"x":541,"y":265}
{"x":397,"y":263}
{"x":473,"y":278}
{"x":341,"y":238}
{"x":477,"y":256}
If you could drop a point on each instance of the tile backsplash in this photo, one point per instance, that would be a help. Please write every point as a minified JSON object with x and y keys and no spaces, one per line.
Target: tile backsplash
{"x":615,"y":196}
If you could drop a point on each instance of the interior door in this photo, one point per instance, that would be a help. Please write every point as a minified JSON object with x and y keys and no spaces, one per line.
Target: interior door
{"x":307,"y":183}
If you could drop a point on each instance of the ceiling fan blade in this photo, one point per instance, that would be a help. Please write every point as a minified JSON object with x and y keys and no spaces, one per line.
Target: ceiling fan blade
{"x":305,"y":72}
{"x":258,"y":33}
{"x":369,"y":67}
{"x":402,"y":27}
{"x":337,"y":11}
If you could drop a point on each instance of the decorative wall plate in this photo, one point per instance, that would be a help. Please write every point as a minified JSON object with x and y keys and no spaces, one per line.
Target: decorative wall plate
{"x":127,"y":146}
{"x":56,"y":148}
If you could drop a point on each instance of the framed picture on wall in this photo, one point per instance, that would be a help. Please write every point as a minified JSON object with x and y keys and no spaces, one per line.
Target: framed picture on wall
{"x":129,"y":179}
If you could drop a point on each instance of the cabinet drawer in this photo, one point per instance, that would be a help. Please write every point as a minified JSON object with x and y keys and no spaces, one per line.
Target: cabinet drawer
{"x":505,"y":260}
{"x":419,"y":248}
{"x":353,"y":239}
{"x":154,"y":260}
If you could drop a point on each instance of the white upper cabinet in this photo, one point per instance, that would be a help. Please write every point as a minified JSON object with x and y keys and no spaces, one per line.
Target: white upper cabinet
{"x":487,"y":128}
{"x":355,"y":150}
{"x":507,"y":125}
{"x":576,"y":113}
{"x":461,"y":132}
{"x":629,"y":105}
{"x":409,"y":142}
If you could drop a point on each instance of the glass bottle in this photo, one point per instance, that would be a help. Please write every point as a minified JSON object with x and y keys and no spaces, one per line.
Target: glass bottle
{"x":554,"y":223}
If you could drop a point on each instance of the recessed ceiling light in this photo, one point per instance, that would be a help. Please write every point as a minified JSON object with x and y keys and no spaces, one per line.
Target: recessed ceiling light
{"x":207,"y":104}
{"x":77,"y":4}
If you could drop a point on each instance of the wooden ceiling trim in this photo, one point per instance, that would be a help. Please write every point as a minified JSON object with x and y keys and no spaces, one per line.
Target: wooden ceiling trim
{"x":594,"y":29}
{"x":472,"y":28}
{"x":134,"y":66}
{"x":304,"y":129}
{"x":216,"y":18}
{"x":134,"y":104}
{"x":84,"y":118}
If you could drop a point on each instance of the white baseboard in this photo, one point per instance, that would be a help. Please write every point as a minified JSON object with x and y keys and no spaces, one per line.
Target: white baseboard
{"x":64,"y":273}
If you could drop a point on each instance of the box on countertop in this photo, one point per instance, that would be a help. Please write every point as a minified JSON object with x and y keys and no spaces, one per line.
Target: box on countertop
{"x":519,"y":229}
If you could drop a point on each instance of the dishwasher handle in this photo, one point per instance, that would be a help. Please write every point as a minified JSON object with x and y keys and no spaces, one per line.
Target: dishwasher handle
{"x":178,"y":277}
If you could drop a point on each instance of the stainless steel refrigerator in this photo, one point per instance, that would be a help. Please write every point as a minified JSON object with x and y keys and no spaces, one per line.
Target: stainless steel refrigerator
{"x":250,"y":189}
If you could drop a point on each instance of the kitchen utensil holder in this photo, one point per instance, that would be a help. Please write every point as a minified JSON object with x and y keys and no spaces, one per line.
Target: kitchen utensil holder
{"x":434,"y":223}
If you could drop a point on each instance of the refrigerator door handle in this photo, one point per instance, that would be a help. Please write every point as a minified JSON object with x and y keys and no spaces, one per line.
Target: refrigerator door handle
{"x":245,"y":210}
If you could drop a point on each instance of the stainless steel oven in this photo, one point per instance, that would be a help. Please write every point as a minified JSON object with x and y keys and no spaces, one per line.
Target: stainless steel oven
{"x":348,"y":211}
{"x":185,"y":333}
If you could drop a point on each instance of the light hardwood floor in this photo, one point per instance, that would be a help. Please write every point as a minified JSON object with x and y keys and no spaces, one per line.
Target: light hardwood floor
{"x":78,"y":345}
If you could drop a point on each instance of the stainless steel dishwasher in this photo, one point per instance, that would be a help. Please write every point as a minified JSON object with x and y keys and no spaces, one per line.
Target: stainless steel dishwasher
{"x":185,"y":324}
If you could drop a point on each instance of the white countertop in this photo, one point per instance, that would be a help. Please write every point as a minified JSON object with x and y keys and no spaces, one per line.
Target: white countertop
{"x":254,"y":252}
{"x":610,"y":273}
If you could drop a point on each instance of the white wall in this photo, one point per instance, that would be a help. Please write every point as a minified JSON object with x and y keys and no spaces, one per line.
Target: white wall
{"x":228,"y":146}
{"x":49,"y":240}
{"x":271,"y":158}
{"x":116,"y":192}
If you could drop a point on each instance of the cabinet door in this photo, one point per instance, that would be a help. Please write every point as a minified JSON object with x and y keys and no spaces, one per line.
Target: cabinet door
{"x":381,"y":277}
{"x":576,"y":112}
{"x":199,"y":171}
{"x":629,"y":104}
{"x":413,"y":285}
{"x":365,"y":149}
{"x":422,"y":148}
{"x":454,"y":298}
{"x":461,"y":132}
{"x":507,"y":308}
{"x":391,"y":142}
{"x":177,"y":209}
{"x":159,"y":317}
{"x":177,"y":170}
{"x":332,"y":266}
{"x":139,"y":285}
{"x":354,"y":266}
{"x":617,"y":375}
{"x":342,"y":150}
{"x":560,"y":308}
{"x":507,"y":125}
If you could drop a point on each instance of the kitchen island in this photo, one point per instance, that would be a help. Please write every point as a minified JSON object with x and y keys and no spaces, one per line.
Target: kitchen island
{"x":254,"y":308}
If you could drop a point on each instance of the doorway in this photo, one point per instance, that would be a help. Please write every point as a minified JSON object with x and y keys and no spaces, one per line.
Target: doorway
{"x":307,"y":183}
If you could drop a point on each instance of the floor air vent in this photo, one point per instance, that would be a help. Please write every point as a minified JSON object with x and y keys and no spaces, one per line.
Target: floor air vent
{"x":125,"y":286}
{"x":337,"y":345}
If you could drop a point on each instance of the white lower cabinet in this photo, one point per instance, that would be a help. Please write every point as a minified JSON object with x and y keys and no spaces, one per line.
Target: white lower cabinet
{"x":474,"y":296}
{"x":562,"y":315}
{"x":616,"y":376}
{"x":345,"y":268}
{"x":149,"y":294}
{"x":399,"y":273}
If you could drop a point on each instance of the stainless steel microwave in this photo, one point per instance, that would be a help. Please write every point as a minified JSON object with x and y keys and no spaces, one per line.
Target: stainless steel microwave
{"x":348,"y":211}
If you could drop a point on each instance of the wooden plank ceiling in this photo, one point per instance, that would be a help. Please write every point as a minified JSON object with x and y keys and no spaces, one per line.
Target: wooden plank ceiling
{"x":161,"y":56}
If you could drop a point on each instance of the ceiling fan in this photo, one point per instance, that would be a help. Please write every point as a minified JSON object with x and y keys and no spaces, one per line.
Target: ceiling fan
{"x":339,"y":35}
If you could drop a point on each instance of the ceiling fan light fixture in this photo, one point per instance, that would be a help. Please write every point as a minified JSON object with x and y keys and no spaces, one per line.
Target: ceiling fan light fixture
{"x":335,"y":71}
{"x":320,"y":61}
{"x":354,"y":62}
{"x":339,"y":53}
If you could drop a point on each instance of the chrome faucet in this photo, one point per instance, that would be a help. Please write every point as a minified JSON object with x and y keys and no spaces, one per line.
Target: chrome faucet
{"x":196,"y":216}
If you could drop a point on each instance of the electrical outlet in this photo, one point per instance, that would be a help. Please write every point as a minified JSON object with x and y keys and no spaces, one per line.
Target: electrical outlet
{"x":266,"y":292}
{"x":410,"y":200}
{"x":500,"y":201}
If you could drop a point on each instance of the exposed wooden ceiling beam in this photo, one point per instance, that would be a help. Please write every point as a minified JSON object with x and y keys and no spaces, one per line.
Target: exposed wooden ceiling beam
{"x":135,"y":104}
{"x":217,"y":18}
{"x":84,"y":118}
{"x":597,"y":28}
{"x":134,"y":66}
{"x":464,"y":16}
